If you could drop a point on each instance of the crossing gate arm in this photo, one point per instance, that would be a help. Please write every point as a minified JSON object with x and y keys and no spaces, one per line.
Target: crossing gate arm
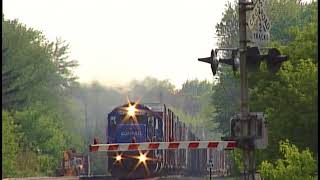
{"x":220,"y":145}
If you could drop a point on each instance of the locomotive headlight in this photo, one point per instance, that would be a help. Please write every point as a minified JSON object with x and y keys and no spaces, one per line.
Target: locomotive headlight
{"x":118,"y":157}
{"x":142,"y":158}
{"x":131,"y":110}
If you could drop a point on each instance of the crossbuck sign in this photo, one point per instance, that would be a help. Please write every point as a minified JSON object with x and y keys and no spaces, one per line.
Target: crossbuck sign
{"x":258,"y":16}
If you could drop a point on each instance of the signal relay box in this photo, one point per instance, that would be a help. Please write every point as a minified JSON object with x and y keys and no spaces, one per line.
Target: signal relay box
{"x":253,"y":127}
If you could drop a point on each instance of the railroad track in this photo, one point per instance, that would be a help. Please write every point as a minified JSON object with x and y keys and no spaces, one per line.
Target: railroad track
{"x":45,"y":178}
{"x":176,"y":177}
{"x":104,"y":177}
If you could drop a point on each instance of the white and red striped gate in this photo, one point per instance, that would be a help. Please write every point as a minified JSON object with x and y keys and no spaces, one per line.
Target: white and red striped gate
{"x":220,"y":145}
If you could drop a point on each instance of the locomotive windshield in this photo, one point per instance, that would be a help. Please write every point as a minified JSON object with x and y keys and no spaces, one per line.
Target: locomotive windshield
{"x":132,"y":120}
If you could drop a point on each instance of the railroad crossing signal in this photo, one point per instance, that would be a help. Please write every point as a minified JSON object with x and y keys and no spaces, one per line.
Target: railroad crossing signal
{"x":233,"y":61}
{"x":254,"y":58}
{"x":213,"y":60}
{"x":249,"y":129}
{"x":274,"y":59}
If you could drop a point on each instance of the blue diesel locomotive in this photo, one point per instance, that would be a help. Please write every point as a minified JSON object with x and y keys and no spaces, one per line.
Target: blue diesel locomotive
{"x":136,"y":123}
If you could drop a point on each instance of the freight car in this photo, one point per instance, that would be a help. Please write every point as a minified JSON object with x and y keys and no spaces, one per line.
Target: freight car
{"x":137,"y":123}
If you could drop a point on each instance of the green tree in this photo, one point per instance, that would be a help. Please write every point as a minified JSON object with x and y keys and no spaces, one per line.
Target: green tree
{"x":285,"y":14}
{"x":10,"y":145}
{"x":297,"y":86}
{"x":225,"y":100}
{"x":24,"y":64}
{"x":37,"y":80}
{"x":33,"y":69}
{"x":43,"y":136}
{"x":294,"y":165}
{"x":195,"y":87}
{"x":151,"y":90}
{"x":227,"y":30}
{"x":294,"y":84}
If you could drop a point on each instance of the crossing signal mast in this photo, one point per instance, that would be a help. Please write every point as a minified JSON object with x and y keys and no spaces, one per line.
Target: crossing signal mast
{"x":249,"y":129}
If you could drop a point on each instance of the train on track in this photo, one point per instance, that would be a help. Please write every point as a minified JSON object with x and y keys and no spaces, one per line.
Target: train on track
{"x":136,"y":123}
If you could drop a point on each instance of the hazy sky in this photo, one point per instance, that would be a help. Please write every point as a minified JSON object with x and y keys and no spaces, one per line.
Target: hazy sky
{"x":116,"y":41}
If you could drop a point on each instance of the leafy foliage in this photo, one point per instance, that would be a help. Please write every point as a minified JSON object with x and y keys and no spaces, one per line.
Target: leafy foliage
{"x":304,"y":44}
{"x":33,"y":68}
{"x":195,"y":87}
{"x":36,"y":82}
{"x":46,"y":138}
{"x":286,"y":14}
{"x":226,"y":100}
{"x":297,"y":86}
{"x":10,"y":138}
{"x":227,"y":30}
{"x":294,"y":165}
{"x":25,"y":63}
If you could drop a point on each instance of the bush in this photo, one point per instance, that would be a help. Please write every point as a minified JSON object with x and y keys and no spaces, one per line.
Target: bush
{"x":9,"y":145}
{"x":295,"y":165}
